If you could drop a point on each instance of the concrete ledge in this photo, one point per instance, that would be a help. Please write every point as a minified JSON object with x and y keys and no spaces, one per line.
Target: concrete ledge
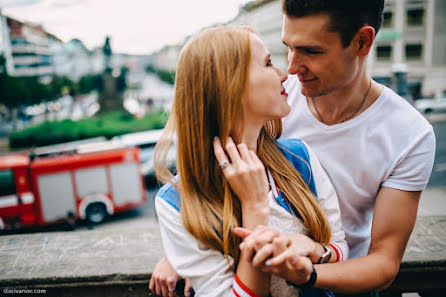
{"x":120,"y":262}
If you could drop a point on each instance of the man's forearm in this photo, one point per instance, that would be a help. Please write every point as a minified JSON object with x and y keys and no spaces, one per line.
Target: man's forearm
{"x":370,"y":273}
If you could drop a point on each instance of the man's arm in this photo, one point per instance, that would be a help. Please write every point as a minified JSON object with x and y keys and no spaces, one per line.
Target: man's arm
{"x":393,"y":220}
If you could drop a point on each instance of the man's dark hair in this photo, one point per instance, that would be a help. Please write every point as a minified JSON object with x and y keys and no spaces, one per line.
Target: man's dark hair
{"x":347,"y":16}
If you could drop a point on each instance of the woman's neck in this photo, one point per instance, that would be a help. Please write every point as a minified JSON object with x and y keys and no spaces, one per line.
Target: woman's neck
{"x":250,"y":135}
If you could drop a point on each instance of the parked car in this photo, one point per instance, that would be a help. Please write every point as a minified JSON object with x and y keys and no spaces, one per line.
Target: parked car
{"x":431,"y":105}
{"x":146,"y":141}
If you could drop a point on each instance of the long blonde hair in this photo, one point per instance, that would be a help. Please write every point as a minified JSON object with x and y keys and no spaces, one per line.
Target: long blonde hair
{"x":211,"y":77}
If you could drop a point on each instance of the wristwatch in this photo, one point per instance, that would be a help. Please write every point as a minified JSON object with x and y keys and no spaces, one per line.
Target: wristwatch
{"x":308,"y":285}
{"x":326,"y":255}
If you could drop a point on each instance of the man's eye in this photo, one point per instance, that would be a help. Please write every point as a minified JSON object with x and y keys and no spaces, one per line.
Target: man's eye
{"x":312,"y":52}
{"x":269,"y":63}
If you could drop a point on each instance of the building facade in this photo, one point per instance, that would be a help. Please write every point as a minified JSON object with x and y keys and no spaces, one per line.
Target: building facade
{"x":30,"y":52}
{"x":413,"y":36}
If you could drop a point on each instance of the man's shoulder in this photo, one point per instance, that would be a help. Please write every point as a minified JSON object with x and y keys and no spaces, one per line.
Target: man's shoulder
{"x":400,"y":114}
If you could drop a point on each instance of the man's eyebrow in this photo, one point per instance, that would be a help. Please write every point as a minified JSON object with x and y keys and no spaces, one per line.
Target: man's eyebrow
{"x":312,"y":47}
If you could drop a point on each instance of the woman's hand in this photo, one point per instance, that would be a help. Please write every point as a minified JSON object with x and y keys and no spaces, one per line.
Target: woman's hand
{"x":164,"y":280}
{"x":285,"y":255}
{"x":244,"y":172}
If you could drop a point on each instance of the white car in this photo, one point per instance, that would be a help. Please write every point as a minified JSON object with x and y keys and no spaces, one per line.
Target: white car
{"x":431,"y":105}
{"x":146,"y":142}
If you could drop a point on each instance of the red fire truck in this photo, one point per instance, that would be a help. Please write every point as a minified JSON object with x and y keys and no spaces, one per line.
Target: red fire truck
{"x":82,"y":185}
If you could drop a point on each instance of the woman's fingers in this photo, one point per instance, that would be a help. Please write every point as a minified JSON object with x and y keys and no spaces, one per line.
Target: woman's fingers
{"x":220,"y":154}
{"x":242,"y":232}
{"x":280,"y":258}
{"x":262,"y":255}
{"x":232,"y":151}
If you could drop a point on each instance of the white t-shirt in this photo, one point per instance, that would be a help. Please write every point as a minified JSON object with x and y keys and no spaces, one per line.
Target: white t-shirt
{"x":390,"y":144}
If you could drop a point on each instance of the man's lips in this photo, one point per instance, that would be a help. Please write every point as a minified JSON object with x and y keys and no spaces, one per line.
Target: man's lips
{"x":305,"y":80}
{"x":283,"y":92}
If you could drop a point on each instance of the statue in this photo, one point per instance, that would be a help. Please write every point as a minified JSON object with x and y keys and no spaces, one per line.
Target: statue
{"x":112,"y":89}
{"x":107,"y":51}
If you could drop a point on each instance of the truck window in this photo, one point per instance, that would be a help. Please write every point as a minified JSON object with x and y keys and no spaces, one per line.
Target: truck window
{"x":7,"y":183}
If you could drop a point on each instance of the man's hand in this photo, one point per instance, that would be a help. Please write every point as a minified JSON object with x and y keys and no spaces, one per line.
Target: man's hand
{"x":164,"y":280}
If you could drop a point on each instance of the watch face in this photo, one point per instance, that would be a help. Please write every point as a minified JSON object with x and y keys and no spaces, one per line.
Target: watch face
{"x":326,"y":256}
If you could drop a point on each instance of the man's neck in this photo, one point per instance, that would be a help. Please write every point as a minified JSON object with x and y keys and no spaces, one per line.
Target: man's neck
{"x":345,"y":103}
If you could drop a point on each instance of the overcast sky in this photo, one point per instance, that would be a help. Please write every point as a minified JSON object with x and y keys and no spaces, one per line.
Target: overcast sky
{"x":135,"y":26}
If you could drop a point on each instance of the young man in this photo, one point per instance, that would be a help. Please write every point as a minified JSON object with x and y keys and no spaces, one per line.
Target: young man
{"x":377,"y":150}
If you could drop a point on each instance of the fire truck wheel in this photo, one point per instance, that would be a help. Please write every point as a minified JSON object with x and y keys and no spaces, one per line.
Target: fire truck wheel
{"x":96,"y":212}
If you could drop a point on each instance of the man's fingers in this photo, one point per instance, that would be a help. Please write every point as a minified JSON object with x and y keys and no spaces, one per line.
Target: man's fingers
{"x":187,"y":288}
{"x":151,"y":284}
{"x":159,"y":288}
{"x":242,"y":232}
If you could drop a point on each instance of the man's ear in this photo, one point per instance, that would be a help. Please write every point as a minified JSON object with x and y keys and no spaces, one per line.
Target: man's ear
{"x":365,"y":37}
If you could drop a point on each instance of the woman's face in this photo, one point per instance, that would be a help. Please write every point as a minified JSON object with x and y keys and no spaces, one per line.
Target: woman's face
{"x":265,"y":98}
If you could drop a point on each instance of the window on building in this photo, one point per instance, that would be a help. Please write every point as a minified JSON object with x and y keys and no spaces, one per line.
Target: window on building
{"x":387,"y":19}
{"x":414,"y":51}
{"x":415,"y":16}
{"x":383,"y":52}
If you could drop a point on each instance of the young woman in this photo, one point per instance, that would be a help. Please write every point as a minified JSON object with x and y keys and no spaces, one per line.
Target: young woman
{"x":233,"y":172}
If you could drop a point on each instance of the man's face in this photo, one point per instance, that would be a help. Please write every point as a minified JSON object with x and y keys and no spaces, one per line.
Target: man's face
{"x":317,"y":56}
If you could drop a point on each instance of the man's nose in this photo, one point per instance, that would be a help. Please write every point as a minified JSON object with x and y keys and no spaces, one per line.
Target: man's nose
{"x":295,"y":65}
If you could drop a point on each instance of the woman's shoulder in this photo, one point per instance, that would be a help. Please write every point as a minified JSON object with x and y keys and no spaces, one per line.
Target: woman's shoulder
{"x":170,"y":194}
{"x":298,"y":153}
{"x":292,"y":147}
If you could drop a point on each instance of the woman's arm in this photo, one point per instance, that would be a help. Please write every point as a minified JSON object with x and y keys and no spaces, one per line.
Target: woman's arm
{"x":247,"y":178}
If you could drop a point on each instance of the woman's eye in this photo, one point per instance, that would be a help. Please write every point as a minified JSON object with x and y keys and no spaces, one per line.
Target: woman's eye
{"x":269,"y":63}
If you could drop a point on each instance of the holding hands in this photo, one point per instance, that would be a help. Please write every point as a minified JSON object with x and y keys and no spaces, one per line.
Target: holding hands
{"x":286,"y":255}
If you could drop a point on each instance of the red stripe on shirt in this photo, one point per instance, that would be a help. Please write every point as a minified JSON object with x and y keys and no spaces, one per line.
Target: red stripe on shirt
{"x":245,"y":288}
{"x":235,"y":293}
{"x":338,"y":250}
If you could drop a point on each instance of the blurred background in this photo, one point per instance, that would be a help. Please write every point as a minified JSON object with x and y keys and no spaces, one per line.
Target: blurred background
{"x":79,"y":77}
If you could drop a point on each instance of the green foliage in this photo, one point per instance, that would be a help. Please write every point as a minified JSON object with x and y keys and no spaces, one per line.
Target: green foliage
{"x":60,"y":83}
{"x":150,"y":69}
{"x":16,"y":91}
{"x":166,"y":76}
{"x":88,"y":83}
{"x":109,"y":124}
